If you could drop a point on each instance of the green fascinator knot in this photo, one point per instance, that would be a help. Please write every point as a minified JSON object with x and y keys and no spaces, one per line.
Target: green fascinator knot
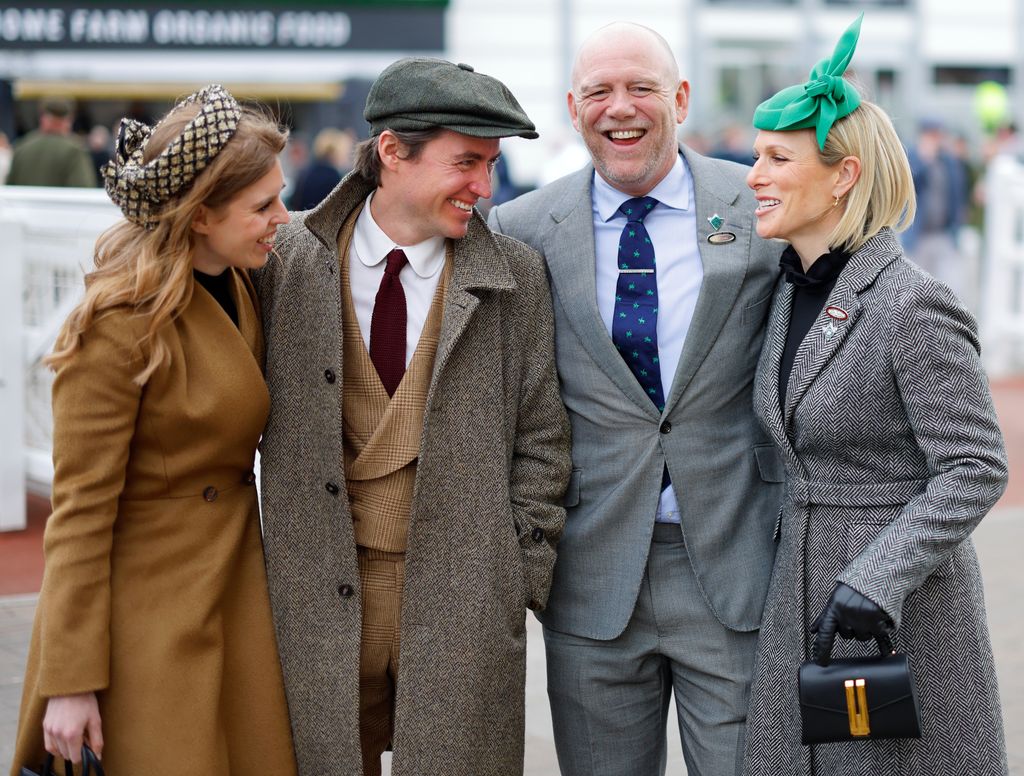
{"x":819,"y":103}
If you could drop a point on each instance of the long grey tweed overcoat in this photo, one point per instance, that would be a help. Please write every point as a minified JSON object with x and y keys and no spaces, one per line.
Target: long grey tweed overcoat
{"x":486,"y":513}
{"x":893,"y":454}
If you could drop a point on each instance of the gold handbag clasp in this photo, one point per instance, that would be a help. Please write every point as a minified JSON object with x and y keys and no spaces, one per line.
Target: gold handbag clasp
{"x":857,"y":707}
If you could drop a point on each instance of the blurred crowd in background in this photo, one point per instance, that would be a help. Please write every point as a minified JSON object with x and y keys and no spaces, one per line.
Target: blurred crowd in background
{"x":66,"y":148}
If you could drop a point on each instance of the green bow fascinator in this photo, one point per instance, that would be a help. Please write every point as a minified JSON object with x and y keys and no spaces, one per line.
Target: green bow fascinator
{"x":825,"y":98}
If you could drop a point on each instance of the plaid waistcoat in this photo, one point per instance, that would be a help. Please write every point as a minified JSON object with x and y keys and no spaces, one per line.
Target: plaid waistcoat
{"x":381,"y":434}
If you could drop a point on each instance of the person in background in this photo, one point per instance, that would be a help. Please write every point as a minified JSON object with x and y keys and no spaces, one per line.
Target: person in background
{"x":101,"y":147}
{"x":416,"y":454}
{"x":661,"y":292}
{"x":733,"y":145}
{"x":5,"y":157}
{"x":332,"y":160}
{"x":153,"y":639}
{"x":942,"y":193}
{"x":871,"y":386}
{"x":50,"y":155}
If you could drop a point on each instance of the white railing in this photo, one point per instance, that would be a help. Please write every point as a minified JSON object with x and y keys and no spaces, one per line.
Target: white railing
{"x":1002,"y":294}
{"x":48,"y":236}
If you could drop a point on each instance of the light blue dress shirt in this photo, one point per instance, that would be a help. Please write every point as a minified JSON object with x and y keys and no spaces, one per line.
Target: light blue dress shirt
{"x":672,"y":226}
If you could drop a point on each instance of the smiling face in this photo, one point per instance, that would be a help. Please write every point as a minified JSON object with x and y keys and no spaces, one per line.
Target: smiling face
{"x":796,"y":192}
{"x":626,"y":101}
{"x":241,"y":232}
{"x":433,"y":193}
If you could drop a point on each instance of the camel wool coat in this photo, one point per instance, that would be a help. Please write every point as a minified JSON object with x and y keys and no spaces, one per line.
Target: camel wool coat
{"x":486,"y":512}
{"x":154,"y":595}
{"x":893,"y":455}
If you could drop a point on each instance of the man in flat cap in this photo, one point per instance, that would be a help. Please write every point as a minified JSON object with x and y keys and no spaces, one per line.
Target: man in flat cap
{"x":416,"y":454}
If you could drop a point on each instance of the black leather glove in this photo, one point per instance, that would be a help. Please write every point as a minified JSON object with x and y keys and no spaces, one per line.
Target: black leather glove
{"x":852,"y":616}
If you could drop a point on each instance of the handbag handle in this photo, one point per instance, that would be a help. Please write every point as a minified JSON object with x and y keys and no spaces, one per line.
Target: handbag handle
{"x":90,"y":764}
{"x":883,"y":641}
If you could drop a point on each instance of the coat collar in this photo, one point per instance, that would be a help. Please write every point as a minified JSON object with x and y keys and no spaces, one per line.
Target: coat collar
{"x":826,"y":335}
{"x":478,"y":262}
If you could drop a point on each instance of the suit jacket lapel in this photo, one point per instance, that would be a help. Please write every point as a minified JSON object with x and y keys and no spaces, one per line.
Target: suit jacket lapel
{"x":569,"y":248}
{"x":724,"y":264}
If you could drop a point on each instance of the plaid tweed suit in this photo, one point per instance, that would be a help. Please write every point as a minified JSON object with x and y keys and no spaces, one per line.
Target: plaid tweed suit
{"x":893,"y":454}
{"x":382,"y":442}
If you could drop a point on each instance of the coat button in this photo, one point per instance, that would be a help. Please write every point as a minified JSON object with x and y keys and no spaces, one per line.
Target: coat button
{"x":666,"y":427}
{"x":329,"y":375}
{"x":210,"y":494}
{"x":332,"y":488}
{"x":249,"y":478}
{"x":345,"y":591}
{"x":537,"y":534}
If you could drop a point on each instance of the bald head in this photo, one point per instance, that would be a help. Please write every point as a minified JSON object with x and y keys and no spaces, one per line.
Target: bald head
{"x":626,"y":101}
{"x":625,"y":36}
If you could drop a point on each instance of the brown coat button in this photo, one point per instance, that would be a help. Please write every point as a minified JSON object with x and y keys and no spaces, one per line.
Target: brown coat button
{"x":329,"y":375}
{"x":210,"y":494}
{"x":537,"y":534}
{"x":345,"y":591}
{"x":332,"y":488}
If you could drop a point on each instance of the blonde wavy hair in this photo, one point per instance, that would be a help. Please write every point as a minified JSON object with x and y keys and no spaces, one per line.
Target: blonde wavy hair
{"x":883,"y":196}
{"x":149,"y":271}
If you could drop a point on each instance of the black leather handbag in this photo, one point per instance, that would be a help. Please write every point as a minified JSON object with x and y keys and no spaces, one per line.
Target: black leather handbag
{"x":859,"y":699}
{"x":90,"y":765}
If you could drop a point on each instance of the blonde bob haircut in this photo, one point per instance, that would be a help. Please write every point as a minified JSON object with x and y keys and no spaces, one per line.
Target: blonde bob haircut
{"x":149,"y":271}
{"x":883,"y":196}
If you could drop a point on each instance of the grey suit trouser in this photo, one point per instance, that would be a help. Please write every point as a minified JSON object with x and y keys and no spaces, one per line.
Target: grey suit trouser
{"x":609,"y":699}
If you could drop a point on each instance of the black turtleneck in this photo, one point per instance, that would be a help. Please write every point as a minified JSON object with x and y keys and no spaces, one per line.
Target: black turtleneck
{"x":219,"y":287}
{"x":810,"y":292}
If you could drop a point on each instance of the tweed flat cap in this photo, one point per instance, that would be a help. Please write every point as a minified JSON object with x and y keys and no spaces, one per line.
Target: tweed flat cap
{"x":422,"y":93}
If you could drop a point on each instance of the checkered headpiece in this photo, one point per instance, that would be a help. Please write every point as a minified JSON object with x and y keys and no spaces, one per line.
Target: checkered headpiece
{"x":141,"y":189}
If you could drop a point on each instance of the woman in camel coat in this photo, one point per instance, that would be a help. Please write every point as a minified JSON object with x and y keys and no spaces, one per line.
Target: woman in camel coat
{"x":153,"y":639}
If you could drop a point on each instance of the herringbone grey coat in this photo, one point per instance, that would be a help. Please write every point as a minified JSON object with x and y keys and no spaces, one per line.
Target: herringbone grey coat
{"x":486,"y":513}
{"x":893,"y":455}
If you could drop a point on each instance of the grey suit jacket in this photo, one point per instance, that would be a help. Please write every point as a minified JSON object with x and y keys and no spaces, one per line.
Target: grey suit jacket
{"x":725,"y":471}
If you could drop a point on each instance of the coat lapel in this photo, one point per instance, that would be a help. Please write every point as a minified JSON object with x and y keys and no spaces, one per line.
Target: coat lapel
{"x":478,"y":265}
{"x":724,"y":265}
{"x":569,"y":249}
{"x":767,"y":388}
{"x":822,"y":342}
{"x":248,"y":315}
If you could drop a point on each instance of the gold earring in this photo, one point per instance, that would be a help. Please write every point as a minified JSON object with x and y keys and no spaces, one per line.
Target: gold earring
{"x":836,"y":203}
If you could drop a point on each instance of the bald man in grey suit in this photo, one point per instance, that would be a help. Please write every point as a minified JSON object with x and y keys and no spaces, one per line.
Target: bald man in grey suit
{"x":672,"y":507}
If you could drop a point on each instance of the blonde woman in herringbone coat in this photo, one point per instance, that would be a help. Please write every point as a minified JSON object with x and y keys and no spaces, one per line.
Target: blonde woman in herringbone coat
{"x":870,"y":384}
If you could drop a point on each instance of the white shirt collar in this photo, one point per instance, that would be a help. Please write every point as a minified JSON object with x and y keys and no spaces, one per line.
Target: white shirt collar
{"x":371,"y":246}
{"x":672,"y":191}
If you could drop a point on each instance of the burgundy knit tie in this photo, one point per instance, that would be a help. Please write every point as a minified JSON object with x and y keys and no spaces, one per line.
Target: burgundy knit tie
{"x":387,"y":326}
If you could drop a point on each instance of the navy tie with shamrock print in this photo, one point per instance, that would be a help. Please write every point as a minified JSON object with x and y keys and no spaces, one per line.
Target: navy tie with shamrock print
{"x":635,"y":319}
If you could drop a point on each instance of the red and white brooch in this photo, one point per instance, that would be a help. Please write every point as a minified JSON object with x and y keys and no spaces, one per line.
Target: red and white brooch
{"x":834,"y":314}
